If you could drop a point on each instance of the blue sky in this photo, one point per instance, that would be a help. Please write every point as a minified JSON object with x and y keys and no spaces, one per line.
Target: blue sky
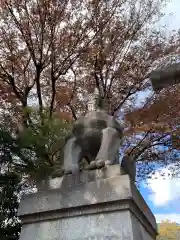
{"x":172,"y":17}
{"x":162,"y":194}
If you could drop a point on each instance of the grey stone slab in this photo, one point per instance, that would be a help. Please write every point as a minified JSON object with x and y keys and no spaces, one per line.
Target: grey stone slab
{"x":142,"y":205}
{"x":96,"y":226}
{"x":104,"y":205}
{"x":100,"y":191}
{"x":139,"y":231}
{"x":83,"y":177}
{"x":122,"y":225}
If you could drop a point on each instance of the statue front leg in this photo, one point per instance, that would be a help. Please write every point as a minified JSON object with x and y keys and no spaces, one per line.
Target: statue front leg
{"x":109,"y":146}
{"x":72,"y":153}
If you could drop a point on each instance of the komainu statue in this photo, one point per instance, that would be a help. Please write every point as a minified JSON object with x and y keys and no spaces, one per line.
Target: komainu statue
{"x":95,"y":137}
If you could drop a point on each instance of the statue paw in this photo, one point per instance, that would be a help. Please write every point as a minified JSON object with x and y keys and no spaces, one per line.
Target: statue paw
{"x":67,"y":172}
{"x":108,"y":163}
{"x":100,"y":163}
{"x":95,"y":165}
{"x":91,"y":166}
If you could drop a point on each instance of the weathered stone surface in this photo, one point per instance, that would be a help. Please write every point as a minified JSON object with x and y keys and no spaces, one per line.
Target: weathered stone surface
{"x":89,"y":176}
{"x":96,"y":226}
{"x":165,"y":77}
{"x":96,"y":137}
{"x":109,"y":208}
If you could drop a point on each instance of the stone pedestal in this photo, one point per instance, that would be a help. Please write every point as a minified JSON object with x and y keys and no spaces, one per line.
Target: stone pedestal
{"x":101,"y":204}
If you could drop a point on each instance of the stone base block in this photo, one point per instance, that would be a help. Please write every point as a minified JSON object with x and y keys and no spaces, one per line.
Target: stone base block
{"x":105,"y":208}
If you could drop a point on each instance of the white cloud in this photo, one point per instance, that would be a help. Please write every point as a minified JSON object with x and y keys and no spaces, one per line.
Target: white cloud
{"x":170,"y":20}
{"x":173,"y":217}
{"x":164,"y":189}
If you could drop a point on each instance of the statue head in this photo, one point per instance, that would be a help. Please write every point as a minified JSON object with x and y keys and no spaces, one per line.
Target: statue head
{"x":95,"y":101}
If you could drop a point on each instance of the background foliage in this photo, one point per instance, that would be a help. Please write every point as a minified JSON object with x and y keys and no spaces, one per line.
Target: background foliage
{"x":168,"y":231}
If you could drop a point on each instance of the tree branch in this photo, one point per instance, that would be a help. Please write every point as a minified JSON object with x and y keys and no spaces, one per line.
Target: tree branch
{"x":73,"y":111}
{"x":139,"y":143}
{"x":149,"y":146}
{"x":11,"y":82}
{"x":53,"y":87}
{"x":19,"y":26}
{"x":121,"y":103}
{"x":38,"y":87}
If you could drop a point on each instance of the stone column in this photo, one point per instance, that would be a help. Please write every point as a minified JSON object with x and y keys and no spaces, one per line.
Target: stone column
{"x":99,"y":204}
